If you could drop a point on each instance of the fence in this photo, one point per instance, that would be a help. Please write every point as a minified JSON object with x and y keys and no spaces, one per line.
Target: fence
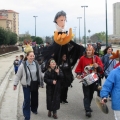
{"x":6,"y":49}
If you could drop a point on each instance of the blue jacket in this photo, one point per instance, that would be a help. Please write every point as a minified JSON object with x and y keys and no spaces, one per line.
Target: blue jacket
{"x":112,"y":86}
{"x":106,"y":61}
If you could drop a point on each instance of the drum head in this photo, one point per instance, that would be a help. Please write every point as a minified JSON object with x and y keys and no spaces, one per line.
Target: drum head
{"x":102,"y":107}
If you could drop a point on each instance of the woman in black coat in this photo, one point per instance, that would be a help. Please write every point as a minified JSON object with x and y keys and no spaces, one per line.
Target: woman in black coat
{"x":68,"y":77}
{"x":52,"y":78}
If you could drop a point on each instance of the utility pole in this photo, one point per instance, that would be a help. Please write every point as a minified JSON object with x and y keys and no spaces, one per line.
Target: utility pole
{"x":79,"y":28}
{"x":35,"y":24}
{"x":84,"y":26}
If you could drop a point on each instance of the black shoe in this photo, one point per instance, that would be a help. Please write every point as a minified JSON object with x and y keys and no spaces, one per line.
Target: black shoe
{"x":35,"y":112}
{"x":65,"y":101}
{"x":88,"y":114}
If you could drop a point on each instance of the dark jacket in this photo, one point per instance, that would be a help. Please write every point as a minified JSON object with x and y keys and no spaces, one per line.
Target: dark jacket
{"x":67,"y":72}
{"x":53,"y":91}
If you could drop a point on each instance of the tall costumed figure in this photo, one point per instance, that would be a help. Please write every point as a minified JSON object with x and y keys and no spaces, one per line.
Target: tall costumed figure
{"x":65,"y":52}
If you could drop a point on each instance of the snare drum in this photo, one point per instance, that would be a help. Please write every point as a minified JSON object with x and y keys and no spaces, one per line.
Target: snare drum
{"x":90,"y":79}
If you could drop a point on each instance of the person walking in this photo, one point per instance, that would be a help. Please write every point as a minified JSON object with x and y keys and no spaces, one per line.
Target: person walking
{"x":28,"y":74}
{"x":68,"y":77}
{"x":89,"y":59}
{"x":107,"y":62}
{"x":112,"y":86}
{"x":52,"y":78}
{"x":21,"y":59}
{"x":16,"y":64}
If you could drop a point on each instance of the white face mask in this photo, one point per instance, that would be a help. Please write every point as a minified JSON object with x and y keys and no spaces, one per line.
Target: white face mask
{"x":59,"y":29}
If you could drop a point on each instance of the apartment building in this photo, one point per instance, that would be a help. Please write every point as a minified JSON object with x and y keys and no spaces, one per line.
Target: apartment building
{"x":9,"y":20}
{"x":116,"y":18}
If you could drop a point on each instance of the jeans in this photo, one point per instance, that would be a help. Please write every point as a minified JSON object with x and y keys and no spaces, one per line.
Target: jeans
{"x":88,"y":92}
{"x":29,"y":97}
{"x":16,"y":69}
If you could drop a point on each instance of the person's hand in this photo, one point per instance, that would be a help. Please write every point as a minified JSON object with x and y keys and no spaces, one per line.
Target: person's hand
{"x":78,"y":77}
{"x":104,"y":100}
{"x":54,"y":82}
{"x":57,"y":70}
{"x":14,"y":87}
{"x":95,"y":65}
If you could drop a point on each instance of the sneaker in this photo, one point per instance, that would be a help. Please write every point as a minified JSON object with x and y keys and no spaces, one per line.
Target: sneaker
{"x":88,"y":114}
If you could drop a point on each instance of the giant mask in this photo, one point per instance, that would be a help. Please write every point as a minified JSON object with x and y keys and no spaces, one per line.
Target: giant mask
{"x":61,"y":36}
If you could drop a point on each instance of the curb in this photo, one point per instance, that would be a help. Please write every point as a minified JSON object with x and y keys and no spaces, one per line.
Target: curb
{"x":9,"y":53}
{"x":4,"y":83}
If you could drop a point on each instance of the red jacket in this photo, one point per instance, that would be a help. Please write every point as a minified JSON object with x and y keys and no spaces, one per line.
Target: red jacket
{"x":84,"y":61}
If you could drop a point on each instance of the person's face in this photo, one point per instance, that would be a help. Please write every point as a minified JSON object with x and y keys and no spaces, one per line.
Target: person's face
{"x":64,"y":57}
{"x":21,"y":58}
{"x":52,"y":64}
{"x":109,"y":51}
{"x":61,"y":21}
{"x":31,"y":57}
{"x":89,"y":52}
{"x":16,"y":58}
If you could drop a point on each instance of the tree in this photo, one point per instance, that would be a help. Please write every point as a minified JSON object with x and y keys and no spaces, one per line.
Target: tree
{"x":7,"y":37}
{"x":98,"y":36}
{"x":38,"y":40}
{"x":12,"y":38}
{"x":94,"y":38}
{"x":101,"y":36}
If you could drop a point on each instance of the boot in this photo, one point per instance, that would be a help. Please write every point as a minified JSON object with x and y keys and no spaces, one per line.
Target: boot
{"x":55,"y":116}
{"x":49,"y":113}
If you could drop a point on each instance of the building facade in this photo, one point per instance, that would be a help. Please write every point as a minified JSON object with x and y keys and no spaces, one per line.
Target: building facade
{"x":9,"y":20}
{"x":116,"y":18}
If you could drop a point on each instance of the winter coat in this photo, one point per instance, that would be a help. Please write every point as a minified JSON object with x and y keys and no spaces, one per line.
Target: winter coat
{"x":53,"y":91}
{"x":67,"y":72}
{"x":112,"y":86}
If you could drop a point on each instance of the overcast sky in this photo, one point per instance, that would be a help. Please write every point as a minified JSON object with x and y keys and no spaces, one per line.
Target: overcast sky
{"x":47,"y":9}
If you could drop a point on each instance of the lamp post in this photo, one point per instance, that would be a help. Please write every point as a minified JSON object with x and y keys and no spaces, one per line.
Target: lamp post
{"x":35,"y":24}
{"x":106,"y":24}
{"x":75,"y":33}
{"x":79,"y":27}
{"x":84,"y":26}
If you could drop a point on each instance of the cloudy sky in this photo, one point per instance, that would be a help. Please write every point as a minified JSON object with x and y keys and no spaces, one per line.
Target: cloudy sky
{"x":46,"y":10}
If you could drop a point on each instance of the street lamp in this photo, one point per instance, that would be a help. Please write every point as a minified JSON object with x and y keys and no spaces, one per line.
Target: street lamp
{"x":75,"y":33}
{"x":79,"y":27}
{"x":106,"y":24}
{"x":35,"y":24}
{"x":84,"y":26}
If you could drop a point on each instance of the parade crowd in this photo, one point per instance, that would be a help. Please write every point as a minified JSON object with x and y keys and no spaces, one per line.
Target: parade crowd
{"x":53,"y":65}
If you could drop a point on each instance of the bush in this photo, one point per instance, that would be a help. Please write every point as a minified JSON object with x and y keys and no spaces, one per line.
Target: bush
{"x":7,"y":37}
